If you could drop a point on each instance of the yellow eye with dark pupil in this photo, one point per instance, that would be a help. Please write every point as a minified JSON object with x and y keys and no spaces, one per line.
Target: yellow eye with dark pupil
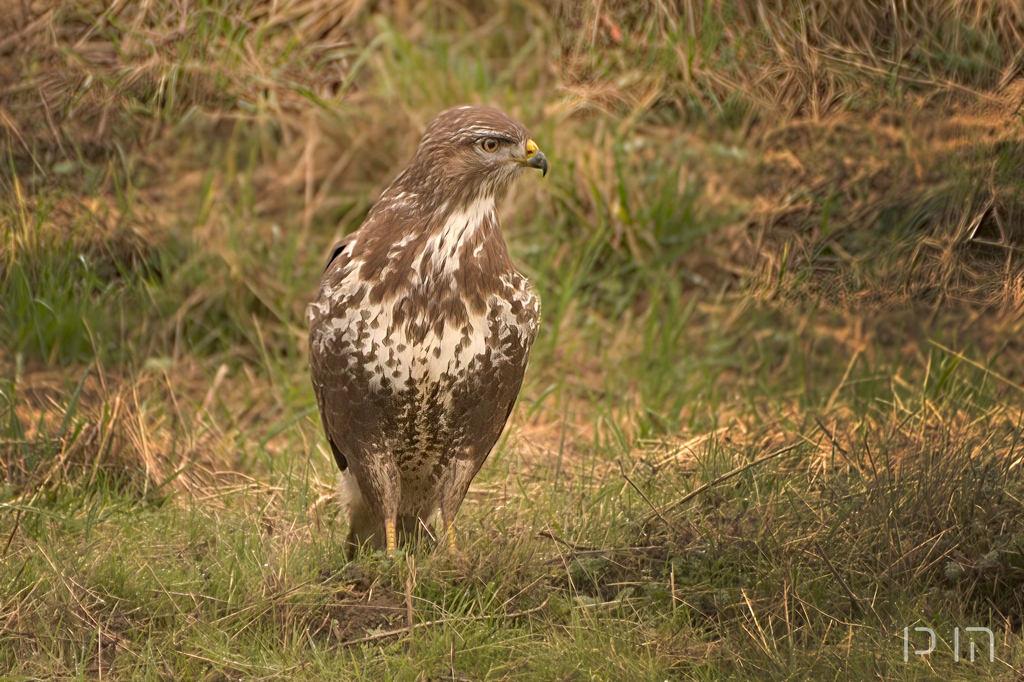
{"x":490,"y":145}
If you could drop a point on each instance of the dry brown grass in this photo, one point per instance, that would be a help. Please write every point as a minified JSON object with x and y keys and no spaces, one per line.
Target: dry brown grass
{"x":800,"y":77}
{"x":769,"y":224}
{"x":795,"y":78}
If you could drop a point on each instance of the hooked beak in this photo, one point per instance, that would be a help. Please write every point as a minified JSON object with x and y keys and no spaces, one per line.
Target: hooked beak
{"x":535,"y":158}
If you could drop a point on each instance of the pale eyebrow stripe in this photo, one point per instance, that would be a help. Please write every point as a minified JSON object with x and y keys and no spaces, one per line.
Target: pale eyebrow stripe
{"x":477,"y":133}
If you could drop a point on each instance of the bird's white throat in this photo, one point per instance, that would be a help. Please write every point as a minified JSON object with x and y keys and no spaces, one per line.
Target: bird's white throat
{"x":460,"y":227}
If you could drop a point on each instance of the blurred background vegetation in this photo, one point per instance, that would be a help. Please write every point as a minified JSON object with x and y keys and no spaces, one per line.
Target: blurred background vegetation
{"x":772,"y":418}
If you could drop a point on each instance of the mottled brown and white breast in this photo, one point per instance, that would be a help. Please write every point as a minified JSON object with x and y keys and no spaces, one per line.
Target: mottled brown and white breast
{"x":420,"y":348}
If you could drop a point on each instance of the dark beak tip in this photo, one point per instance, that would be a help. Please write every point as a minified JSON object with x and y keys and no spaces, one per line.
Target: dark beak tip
{"x":540,"y":161}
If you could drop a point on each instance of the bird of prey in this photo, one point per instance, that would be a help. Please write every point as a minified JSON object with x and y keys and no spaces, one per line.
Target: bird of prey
{"x":421,"y":332}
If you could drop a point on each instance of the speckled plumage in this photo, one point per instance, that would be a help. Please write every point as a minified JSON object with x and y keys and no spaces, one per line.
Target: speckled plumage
{"x":421,"y":332}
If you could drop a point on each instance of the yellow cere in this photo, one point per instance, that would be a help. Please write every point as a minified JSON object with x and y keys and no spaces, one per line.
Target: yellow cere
{"x":531,"y":149}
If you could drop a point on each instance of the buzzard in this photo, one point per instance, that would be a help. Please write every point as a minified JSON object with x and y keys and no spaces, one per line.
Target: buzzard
{"x":422,"y":328}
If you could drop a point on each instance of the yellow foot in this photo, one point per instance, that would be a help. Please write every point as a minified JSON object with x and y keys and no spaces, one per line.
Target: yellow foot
{"x":390,"y":536}
{"x":451,"y":539}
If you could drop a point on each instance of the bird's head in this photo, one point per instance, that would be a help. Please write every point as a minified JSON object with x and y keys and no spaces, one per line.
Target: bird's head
{"x":472,"y":151}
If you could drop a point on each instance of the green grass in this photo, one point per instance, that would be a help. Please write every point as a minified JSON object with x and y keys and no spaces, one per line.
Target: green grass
{"x":772,"y":228}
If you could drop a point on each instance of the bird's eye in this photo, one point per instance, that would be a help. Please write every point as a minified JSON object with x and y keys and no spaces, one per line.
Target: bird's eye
{"x":489,"y":145}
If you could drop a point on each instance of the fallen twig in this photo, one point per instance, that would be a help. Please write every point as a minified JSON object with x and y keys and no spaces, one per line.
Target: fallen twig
{"x":568,"y":543}
{"x":582,"y":550}
{"x":854,"y":602}
{"x":440,"y":621}
{"x":646,"y":499}
{"x":725,"y":477}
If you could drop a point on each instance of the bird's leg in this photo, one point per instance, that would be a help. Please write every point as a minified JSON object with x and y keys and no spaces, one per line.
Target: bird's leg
{"x":382,"y":488}
{"x":447,"y":520}
{"x":390,"y":515}
{"x":390,"y":535}
{"x":461,"y":469}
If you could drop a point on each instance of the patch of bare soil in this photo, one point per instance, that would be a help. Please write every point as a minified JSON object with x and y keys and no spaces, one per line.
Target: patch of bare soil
{"x":355,"y":613}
